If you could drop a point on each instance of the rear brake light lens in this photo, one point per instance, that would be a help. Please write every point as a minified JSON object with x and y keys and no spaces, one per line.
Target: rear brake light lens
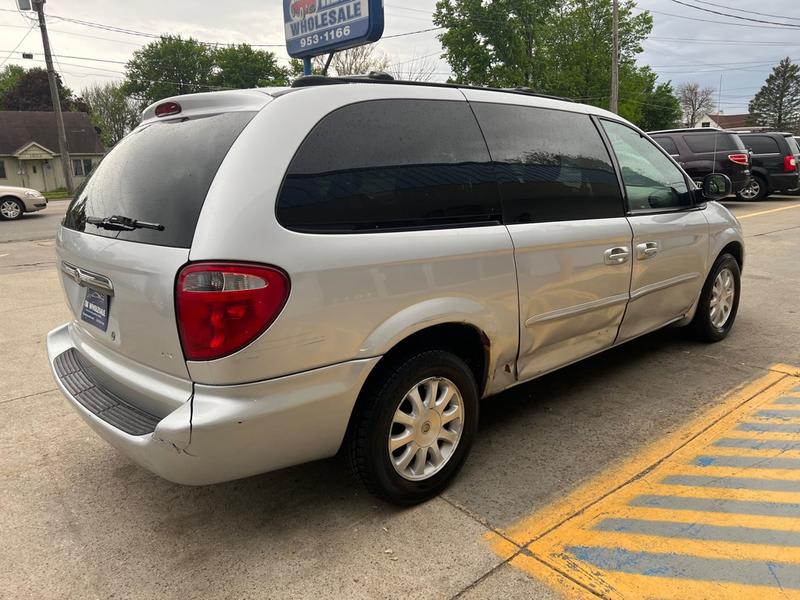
{"x":739,"y":159}
{"x":222,"y":307}
{"x":166,"y":109}
{"x":789,"y":164}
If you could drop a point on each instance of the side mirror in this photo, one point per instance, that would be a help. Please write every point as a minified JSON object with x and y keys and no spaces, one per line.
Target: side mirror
{"x":716,"y":186}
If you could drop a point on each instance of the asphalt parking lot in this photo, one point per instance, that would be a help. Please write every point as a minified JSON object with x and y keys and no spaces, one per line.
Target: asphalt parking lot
{"x":565,"y":470}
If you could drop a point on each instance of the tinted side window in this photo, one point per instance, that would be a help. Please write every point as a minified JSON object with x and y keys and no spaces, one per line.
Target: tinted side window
{"x":552,"y":165}
{"x":761,"y":144}
{"x":708,"y":142}
{"x":667,"y":144}
{"x":793,"y":147}
{"x":389,"y":164}
{"x":652,"y":181}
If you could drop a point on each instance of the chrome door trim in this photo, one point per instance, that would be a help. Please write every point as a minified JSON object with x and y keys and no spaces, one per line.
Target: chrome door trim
{"x":661,"y":285}
{"x":88,"y":279}
{"x":578,"y":309}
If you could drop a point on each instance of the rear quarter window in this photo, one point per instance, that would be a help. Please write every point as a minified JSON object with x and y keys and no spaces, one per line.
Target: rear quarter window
{"x":709,"y":142}
{"x":761,"y":144}
{"x":390,"y":164}
{"x":159,"y":173}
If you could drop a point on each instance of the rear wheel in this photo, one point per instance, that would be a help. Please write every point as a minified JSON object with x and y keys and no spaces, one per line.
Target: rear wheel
{"x":414,"y":427}
{"x":11,"y":209}
{"x":719,"y":301}
{"x":755,"y":190}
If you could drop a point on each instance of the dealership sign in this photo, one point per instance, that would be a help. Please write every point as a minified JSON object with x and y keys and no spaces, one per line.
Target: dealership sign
{"x":315,"y":27}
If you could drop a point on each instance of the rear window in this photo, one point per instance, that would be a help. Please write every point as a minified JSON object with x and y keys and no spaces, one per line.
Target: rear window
{"x":793,"y":147}
{"x":708,"y":142}
{"x":161,"y":174}
{"x":667,"y":144}
{"x":391,"y":164}
{"x":761,"y":144}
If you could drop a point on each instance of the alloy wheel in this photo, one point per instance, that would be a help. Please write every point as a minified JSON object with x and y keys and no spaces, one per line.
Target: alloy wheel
{"x":426,"y":428}
{"x":752,"y":190}
{"x":10,"y":209}
{"x":722,"y":296}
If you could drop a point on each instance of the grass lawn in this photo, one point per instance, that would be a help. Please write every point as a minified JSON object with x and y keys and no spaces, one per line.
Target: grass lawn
{"x":57,"y":195}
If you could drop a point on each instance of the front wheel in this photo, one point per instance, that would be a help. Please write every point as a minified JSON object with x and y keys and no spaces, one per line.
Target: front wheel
{"x":414,"y":427}
{"x":719,"y":301}
{"x":10,"y":209}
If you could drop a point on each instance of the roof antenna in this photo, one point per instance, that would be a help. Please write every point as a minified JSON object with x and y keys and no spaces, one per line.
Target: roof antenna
{"x":716,"y":133}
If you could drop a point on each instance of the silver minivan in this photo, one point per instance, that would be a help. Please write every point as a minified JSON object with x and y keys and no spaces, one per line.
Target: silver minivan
{"x":266,"y":277}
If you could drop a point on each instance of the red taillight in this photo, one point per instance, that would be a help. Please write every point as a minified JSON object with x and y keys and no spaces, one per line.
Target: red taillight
{"x":789,"y":164}
{"x":222,"y":307}
{"x":165,"y":109}
{"x":739,"y":159}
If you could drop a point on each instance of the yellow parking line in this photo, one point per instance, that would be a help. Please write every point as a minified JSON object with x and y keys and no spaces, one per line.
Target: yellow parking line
{"x":766,"y":212}
{"x":713,"y":511}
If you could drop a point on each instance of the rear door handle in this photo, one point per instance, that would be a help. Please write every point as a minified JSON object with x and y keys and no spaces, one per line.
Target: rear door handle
{"x":646,"y":250}
{"x":617,"y":255}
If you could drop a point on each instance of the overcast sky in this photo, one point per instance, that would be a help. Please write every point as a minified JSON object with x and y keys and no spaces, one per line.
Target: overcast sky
{"x":681,"y":47}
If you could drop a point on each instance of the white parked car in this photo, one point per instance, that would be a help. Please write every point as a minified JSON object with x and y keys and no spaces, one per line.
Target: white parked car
{"x":14,"y":201}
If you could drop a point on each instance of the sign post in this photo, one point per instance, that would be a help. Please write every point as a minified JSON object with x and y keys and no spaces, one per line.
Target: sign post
{"x":316,"y":27}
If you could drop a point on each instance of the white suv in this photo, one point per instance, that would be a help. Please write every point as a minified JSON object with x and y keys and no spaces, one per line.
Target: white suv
{"x":262,"y":278}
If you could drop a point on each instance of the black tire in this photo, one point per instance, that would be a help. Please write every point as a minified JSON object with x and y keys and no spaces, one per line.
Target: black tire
{"x":367,"y":445}
{"x":756,"y":181}
{"x":20,"y":208}
{"x":702,"y":326}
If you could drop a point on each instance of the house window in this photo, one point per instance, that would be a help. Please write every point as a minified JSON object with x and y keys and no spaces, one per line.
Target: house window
{"x":705,"y":124}
{"x":82,"y":167}
{"x":3,"y":169}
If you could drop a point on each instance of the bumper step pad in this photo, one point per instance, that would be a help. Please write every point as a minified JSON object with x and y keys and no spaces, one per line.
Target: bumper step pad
{"x":82,"y":384}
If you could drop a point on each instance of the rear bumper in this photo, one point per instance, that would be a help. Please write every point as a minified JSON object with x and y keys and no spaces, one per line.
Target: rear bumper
{"x":228,"y":432}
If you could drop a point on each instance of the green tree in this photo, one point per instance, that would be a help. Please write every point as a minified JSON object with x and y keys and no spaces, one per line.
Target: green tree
{"x":168,"y":67}
{"x":31,"y":91}
{"x":243,"y":67}
{"x":560,"y":47}
{"x":9,"y":77}
{"x":777,"y":103}
{"x":661,"y":108}
{"x":112,"y":111}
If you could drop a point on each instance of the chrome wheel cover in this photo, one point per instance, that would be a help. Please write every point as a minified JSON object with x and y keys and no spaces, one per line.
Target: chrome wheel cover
{"x":751,"y":190}
{"x":723,"y":295}
{"x":10,"y":209}
{"x":426,"y":428}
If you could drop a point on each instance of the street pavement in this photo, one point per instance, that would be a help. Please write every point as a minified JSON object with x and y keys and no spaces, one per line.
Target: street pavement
{"x":547,"y":506}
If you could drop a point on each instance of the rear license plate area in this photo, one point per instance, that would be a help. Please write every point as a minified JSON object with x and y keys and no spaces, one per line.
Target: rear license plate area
{"x":95,"y":309}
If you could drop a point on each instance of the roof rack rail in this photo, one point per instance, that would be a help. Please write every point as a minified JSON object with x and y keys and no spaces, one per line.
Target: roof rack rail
{"x":381,"y":77}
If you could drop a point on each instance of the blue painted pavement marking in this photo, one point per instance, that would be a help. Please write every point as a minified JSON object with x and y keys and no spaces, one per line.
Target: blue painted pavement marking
{"x":787,"y":400}
{"x":778,"y":414}
{"x":757,"y":444}
{"x":743,"y":507}
{"x":736,"y":483}
{"x":746,"y":572}
{"x":773,"y":427}
{"x":748,"y":462}
{"x":699,"y":531}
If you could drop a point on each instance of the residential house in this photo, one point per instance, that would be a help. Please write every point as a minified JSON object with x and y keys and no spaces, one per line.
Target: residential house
{"x":729,"y":122}
{"x":29,"y":155}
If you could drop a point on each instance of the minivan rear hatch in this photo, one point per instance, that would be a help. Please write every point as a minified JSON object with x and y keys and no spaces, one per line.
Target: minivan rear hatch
{"x":119,"y":275}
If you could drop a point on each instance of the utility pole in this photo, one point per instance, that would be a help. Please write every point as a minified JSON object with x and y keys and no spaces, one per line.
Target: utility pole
{"x":613,"y":104}
{"x":66,"y":163}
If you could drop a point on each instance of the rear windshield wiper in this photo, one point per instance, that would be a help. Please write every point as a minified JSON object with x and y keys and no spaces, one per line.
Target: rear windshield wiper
{"x":119,"y":223}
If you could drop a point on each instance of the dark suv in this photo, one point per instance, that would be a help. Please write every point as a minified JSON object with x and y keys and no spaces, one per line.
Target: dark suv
{"x":774,"y":160}
{"x":704,"y":151}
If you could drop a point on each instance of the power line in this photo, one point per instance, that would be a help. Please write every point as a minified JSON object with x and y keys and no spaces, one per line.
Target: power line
{"x":24,"y":37}
{"x":751,"y":12}
{"x":696,"y":19}
{"x":717,"y":12}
